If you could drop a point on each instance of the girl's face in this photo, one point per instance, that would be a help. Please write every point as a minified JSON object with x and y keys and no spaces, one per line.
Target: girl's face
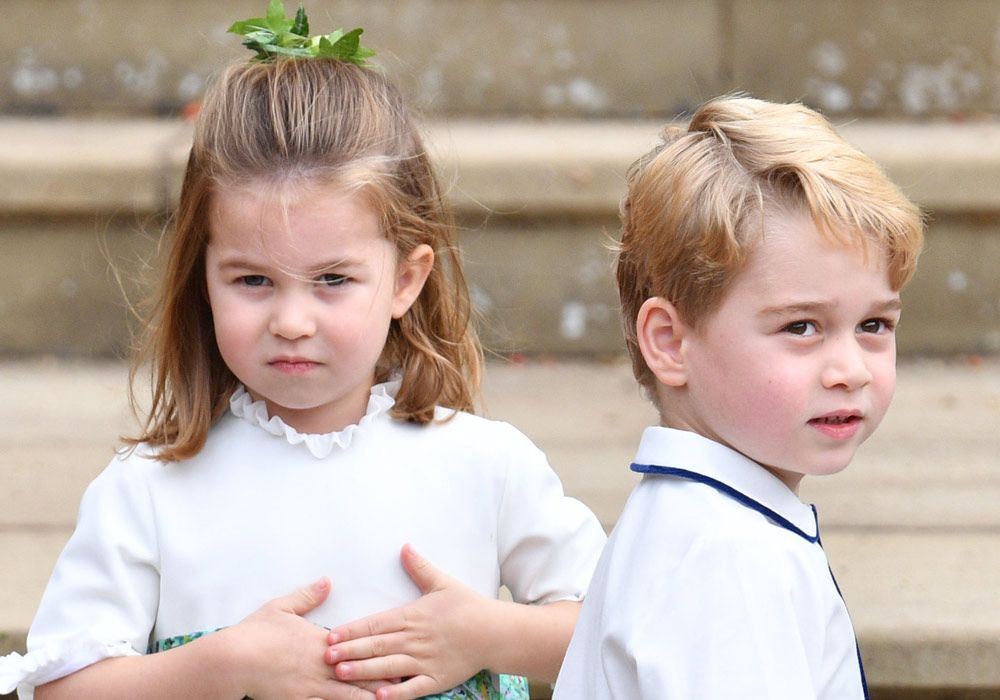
{"x":303,"y":285}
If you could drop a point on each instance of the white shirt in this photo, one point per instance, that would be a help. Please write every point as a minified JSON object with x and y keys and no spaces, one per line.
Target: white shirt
{"x":168,"y":549}
{"x":713,"y":585}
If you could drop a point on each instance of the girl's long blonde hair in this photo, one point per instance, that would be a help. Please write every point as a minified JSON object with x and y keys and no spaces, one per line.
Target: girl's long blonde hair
{"x":322,"y":121}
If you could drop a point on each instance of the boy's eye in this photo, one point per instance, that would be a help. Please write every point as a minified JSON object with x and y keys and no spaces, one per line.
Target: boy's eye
{"x":331,"y":280}
{"x":254,"y":280}
{"x":803,"y":328}
{"x":875,"y":325}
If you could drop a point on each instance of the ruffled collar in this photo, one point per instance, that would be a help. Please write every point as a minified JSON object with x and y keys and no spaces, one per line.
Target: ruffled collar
{"x":320,"y":445}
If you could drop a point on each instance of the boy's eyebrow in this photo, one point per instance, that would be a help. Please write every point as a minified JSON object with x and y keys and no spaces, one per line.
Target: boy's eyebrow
{"x":813,"y":307}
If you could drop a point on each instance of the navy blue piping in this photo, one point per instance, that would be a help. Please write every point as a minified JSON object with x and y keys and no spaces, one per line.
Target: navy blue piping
{"x":730,"y":491}
{"x":763,"y":510}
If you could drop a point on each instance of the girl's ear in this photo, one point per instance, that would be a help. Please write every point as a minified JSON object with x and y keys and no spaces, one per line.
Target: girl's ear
{"x":661,"y":334}
{"x":411,"y":274}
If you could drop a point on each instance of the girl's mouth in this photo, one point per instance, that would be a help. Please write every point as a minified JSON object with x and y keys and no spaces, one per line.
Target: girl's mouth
{"x":835,"y":420}
{"x":293,"y":365}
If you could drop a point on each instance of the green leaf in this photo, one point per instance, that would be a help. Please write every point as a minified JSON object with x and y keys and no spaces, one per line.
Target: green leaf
{"x":298,"y":51}
{"x":276,"y":20}
{"x":346,"y":47}
{"x":332,"y":37}
{"x":261,"y":36}
{"x":350,"y":42}
{"x":301,"y":26}
{"x":245,"y":26}
{"x":275,"y":11}
{"x":276,"y":34}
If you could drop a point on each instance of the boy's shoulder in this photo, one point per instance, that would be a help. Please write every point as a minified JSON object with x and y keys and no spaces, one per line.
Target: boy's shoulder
{"x":687,"y":544}
{"x":698,"y":518}
{"x":700,"y":501}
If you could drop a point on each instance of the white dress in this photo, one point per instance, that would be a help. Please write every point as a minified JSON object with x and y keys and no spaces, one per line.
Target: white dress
{"x":713,"y":586}
{"x":163,"y":550}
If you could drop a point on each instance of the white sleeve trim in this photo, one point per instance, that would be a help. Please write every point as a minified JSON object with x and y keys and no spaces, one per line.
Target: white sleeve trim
{"x":55,"y":660}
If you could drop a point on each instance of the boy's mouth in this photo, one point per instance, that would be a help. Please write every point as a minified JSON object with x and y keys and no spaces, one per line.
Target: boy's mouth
{"x":839,"y":426}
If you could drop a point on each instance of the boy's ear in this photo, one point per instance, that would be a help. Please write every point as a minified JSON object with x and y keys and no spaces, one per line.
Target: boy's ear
{"x":411,"y":274}
{"x":661,"y":334}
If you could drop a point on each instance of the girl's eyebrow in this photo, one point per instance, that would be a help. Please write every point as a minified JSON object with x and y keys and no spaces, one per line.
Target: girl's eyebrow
{"x":240,"y":261}
{"x":815,"y":307}
{"x":337,"y":264}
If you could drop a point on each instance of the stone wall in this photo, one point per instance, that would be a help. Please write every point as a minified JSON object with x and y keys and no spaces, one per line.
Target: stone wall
{"x":913,"y":59}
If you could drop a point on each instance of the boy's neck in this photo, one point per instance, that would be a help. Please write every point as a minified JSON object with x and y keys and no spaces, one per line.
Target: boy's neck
{"x":790,"y":479}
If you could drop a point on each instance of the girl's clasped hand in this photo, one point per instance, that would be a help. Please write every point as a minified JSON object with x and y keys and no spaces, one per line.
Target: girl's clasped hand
{"x":278,"y":649}
{"x":434,"y":643}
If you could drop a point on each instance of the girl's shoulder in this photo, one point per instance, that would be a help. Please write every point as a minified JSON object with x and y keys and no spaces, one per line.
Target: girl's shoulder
{"x":475,"y":429}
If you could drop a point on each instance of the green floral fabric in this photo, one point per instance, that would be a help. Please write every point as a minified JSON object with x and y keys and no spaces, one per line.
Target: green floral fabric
{"x":482,"y":686}
{"x":487,"y":686}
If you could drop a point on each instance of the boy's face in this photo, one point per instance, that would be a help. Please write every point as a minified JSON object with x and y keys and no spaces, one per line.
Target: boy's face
{"x":796,"y":367}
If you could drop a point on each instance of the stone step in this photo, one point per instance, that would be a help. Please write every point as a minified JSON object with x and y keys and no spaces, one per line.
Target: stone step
{"x":83,"y":205}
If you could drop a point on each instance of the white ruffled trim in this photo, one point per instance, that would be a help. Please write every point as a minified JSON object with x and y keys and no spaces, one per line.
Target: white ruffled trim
{"x":55,"y":660}
{"x":242,"y":405}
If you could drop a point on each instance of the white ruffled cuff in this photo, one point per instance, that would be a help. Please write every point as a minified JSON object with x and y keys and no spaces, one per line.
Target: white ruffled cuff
{"x":242,"y":405}
{"x":55,"y":660}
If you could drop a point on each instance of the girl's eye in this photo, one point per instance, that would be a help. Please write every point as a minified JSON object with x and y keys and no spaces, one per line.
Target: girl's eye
{"x":875,"y":325}
{"x":254,"y":280}
{"x":331,"y":280}
{"x":803,"y":328}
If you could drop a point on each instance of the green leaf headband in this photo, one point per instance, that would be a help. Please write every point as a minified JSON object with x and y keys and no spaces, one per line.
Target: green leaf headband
{"x":276,"y":35}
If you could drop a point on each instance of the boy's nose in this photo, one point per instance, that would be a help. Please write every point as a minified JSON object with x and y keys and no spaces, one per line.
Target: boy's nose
{"x":291,"y":319}
{"x":846,"y":366}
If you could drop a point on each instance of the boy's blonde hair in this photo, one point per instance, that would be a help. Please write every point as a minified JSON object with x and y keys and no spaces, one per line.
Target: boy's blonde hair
{"x":696,"y":204}
{"x":319,"y":121}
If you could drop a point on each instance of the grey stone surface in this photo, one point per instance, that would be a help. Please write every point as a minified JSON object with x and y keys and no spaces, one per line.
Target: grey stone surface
{"x":912,"y":58}
{"x":537,"y":204}
{"x":894,"y":58}
{"x":449,"y":56}
{"x":911,"y":527}
{"x":66,"y":285}
{"x":533,"y":168}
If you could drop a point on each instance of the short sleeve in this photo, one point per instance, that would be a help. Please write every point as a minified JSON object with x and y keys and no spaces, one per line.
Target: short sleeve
{"x":548,"y":543}
{"x":734,"y":621}
{"x":102,"y":596}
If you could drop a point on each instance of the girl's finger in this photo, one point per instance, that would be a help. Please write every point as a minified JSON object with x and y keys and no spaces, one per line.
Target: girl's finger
{"x":393,"y":666}
{"x":362,"y":690}
{"x":306,"y":598}
{"x":343,"y":691}
{"x":367,"y":648}
{"x":427,"y":577}
{"x":385,"y":622}
{"x":372,"y":686}
{"x":416,"y":687}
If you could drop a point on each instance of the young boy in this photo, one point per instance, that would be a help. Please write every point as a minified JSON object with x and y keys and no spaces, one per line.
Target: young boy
{"x":759,"y":272}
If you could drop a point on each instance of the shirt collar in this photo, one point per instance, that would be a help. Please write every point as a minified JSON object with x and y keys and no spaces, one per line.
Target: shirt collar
{"x":689,"y":455}
{"x":320,"y":445}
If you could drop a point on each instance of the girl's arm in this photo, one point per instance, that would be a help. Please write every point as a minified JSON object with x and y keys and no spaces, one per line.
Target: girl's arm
{"x":273,"y":653}
{"x":448,"y":635}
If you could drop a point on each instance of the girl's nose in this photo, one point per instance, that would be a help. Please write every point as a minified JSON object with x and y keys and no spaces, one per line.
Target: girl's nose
{"x":846,"y":366}
{"x":291,"y":319}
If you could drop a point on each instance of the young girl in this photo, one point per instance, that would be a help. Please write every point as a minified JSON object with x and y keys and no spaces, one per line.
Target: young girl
{"x":313,"y":373}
